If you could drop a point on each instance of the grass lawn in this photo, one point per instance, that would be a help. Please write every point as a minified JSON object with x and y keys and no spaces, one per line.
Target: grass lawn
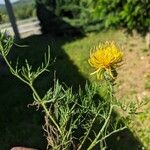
{"x":20,"y":125}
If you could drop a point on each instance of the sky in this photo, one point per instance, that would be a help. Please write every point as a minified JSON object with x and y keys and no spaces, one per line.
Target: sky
{"x":2,"y":1}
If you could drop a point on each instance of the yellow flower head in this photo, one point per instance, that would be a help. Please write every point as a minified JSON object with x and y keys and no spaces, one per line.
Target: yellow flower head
{"x":105,"y":58}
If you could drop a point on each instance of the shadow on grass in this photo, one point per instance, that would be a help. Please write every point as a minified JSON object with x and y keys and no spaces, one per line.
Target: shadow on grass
{"x":20,"y":125}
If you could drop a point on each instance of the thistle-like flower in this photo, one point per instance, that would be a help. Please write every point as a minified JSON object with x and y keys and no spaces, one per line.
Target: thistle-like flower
{"x":105,"y":57}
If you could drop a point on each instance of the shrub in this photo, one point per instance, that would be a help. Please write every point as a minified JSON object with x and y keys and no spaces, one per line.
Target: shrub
{"x":3,"y":18}
{"x":52,"y":13}
{"x":25,"y":11}
{"x":130,"y":14}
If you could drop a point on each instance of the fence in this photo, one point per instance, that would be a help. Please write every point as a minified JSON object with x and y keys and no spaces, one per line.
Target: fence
{"x":26,"y":27}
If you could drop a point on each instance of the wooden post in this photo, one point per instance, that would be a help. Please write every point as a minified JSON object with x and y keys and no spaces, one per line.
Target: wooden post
{"x":12,"y":19}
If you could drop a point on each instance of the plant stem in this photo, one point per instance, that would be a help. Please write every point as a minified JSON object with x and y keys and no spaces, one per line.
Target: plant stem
{"x":102,"y":129}
{"x":85,"y":137}
{"x":44,"y":107}
{"x":113,"y":132}
{"x":34,"y":91}
{"x":12,"y":70}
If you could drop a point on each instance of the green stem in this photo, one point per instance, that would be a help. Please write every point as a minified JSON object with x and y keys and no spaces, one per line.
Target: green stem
{"x":44,"y":107}
{"x":51,"y":118}
{"x":113,"y":132}
{"x":12,"y":70}
{"x":85,"y":137}
{"x":34,"y":91}
{"x":102,"y":129}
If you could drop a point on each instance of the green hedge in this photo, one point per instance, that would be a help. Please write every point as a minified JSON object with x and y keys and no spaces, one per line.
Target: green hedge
{"x":130,"y":14}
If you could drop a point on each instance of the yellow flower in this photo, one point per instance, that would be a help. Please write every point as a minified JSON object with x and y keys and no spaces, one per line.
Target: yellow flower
{"x":106,"y":57}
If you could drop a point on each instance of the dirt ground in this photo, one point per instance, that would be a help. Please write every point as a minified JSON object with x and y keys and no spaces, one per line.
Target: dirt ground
{"x":134,"y":84}
{"x":136,"y":67}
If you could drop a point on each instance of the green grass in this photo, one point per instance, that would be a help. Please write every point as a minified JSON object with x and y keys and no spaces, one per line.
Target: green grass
{"x":20,"y":125}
